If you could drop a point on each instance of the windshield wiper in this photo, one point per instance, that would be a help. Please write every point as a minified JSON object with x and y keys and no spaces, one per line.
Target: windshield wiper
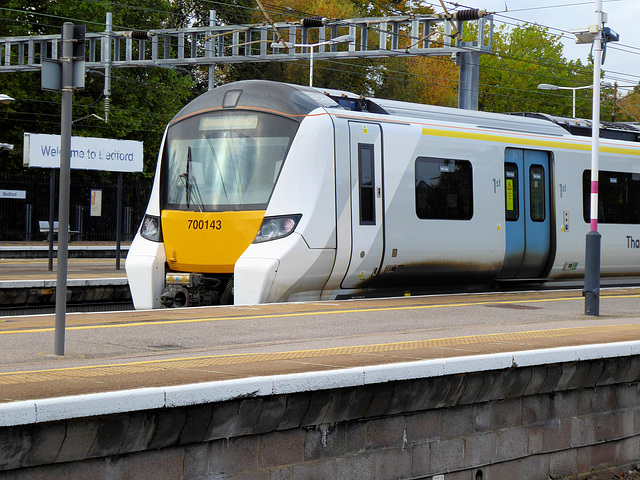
{"x":192,"y":192}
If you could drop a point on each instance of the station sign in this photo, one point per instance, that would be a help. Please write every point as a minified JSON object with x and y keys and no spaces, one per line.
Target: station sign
{"x":17,"y":194}
{"x":87,"y":153}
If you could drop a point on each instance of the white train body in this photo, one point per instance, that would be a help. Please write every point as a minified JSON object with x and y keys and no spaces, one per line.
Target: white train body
{"x":378,"y":198}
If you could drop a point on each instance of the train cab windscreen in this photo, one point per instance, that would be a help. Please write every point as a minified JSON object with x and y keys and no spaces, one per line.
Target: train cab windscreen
{"x":224,"y":160}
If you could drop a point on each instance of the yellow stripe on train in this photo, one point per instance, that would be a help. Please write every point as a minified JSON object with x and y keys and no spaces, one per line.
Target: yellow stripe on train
{"x":532,"y":141}
{"x":208,"y":242}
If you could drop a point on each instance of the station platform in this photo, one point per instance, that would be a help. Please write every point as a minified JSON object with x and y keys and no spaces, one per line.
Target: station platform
{"x":78,"y":249}
{"x":114,"y":351}
{"x":92,"y":275}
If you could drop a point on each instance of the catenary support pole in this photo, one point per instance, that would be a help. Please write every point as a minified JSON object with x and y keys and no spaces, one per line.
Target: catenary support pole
{"x":212,"y":47}
{"x":469,"y":78}
{"x":106,"y":59}
{"x":63,"y":208}
{"x":592,"y":254}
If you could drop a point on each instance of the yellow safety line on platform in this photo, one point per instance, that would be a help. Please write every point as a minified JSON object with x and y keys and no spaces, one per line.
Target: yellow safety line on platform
{"x":149,"y":323}
{"x":54,"y":374}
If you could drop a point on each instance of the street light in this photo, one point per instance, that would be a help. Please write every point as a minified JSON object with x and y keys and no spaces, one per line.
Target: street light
{"x":311,"y":46}
{"x":547,"y":86}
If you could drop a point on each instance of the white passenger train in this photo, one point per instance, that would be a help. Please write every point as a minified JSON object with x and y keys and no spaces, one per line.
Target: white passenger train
{"x":270,"y":192}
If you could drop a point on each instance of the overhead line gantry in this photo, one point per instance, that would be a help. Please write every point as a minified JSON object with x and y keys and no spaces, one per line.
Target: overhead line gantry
{"x":375,"y":37}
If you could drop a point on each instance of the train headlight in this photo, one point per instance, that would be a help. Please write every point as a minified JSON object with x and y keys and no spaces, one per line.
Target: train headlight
{"x":273,"y":228}
{"x":150,"y":228}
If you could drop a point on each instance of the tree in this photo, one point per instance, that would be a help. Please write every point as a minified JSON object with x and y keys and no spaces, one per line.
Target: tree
{"x":429,"y":80}
{"x":142,"y":100}
{"x":525,"y":56}
{"x":628,"y":107}
{"x":345,"y":75}
{"x":432,"y":81}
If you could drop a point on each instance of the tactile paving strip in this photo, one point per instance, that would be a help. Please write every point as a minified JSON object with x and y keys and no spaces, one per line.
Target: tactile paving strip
{"x":12,"y":378}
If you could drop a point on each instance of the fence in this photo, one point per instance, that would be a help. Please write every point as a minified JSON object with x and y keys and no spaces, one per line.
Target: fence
{"x":24,"y":202}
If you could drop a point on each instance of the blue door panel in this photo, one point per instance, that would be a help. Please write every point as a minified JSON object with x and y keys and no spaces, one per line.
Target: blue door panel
{"x":537,"y":222}
{"x":515,"y":241}
{"x":527,"y":214}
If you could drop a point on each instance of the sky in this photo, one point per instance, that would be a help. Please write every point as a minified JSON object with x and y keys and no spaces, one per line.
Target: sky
{"x":622,"y":61}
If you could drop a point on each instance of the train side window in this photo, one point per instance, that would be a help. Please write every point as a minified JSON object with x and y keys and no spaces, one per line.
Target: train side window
{"x":366,"y":178}
{"x":511,"y":192}
{"x":618,"y":197}
{"x":444,"y":189}
{"x":536,"y":193}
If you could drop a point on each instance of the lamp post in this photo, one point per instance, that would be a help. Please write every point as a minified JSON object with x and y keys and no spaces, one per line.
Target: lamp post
{"x":547,"y":86}
{"x":311,"y":46}
{"x":592,"y":261}
{"x":597,"y":35}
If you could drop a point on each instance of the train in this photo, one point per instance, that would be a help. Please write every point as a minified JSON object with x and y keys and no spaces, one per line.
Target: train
{"x":271,"y":192}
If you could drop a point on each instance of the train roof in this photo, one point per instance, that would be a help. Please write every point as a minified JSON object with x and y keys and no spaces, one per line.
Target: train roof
{"x":444,"y":114}
{"x":292,"y":100}
{"x":297,"y":101}
{"x":582,"y":127}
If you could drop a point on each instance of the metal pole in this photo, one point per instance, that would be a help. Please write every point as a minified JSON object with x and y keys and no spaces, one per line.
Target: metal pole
{"x":573,"y":90}
{"x":52,"y":200}
{"x":592,"y":254}
{"x":311,"y":68}
{"x":118,"y":220}
{"x":615,"y":99}
{"x":28,"y":221}
{"x":211,"y":53}
{"x":469,"y":78}
{"x":106,"y":57}
{"x":63,"y":210}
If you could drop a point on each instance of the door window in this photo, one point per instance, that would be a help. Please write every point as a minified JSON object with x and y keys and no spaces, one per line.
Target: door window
{"x":511,"y":192}
{"x":537,"y":193}
{"x":366,"y":184}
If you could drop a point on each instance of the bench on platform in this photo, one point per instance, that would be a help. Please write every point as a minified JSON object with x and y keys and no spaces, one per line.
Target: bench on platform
{"x":44,"y":228}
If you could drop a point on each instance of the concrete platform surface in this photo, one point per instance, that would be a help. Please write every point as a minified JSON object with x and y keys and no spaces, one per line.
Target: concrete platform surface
{"x":37,"y":269}
{"x":115,"y":351}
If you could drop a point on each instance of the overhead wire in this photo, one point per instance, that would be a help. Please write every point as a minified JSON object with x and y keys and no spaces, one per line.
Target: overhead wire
{"x":562,"y":33}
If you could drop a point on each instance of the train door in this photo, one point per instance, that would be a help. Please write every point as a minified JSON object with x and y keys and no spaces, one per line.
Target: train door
{"x":527,"y":214}
{"x":365,"y":147}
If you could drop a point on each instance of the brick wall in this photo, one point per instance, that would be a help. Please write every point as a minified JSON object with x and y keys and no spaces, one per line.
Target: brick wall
{"x":564,"y":420}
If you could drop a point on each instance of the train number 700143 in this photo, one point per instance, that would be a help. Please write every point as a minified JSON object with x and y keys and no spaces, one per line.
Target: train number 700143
{"x":204,"y":224}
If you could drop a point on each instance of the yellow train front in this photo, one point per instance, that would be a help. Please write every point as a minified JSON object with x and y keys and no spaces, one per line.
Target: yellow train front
{"x":220,"y":159}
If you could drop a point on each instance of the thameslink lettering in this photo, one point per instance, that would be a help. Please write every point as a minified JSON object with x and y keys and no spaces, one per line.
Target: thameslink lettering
{"x":632,"y":242}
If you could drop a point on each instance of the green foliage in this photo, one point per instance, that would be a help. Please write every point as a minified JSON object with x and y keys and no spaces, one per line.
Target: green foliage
{"x":142,"y":100}
{"x":627,"y":105}
{"x":525,"y":56}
